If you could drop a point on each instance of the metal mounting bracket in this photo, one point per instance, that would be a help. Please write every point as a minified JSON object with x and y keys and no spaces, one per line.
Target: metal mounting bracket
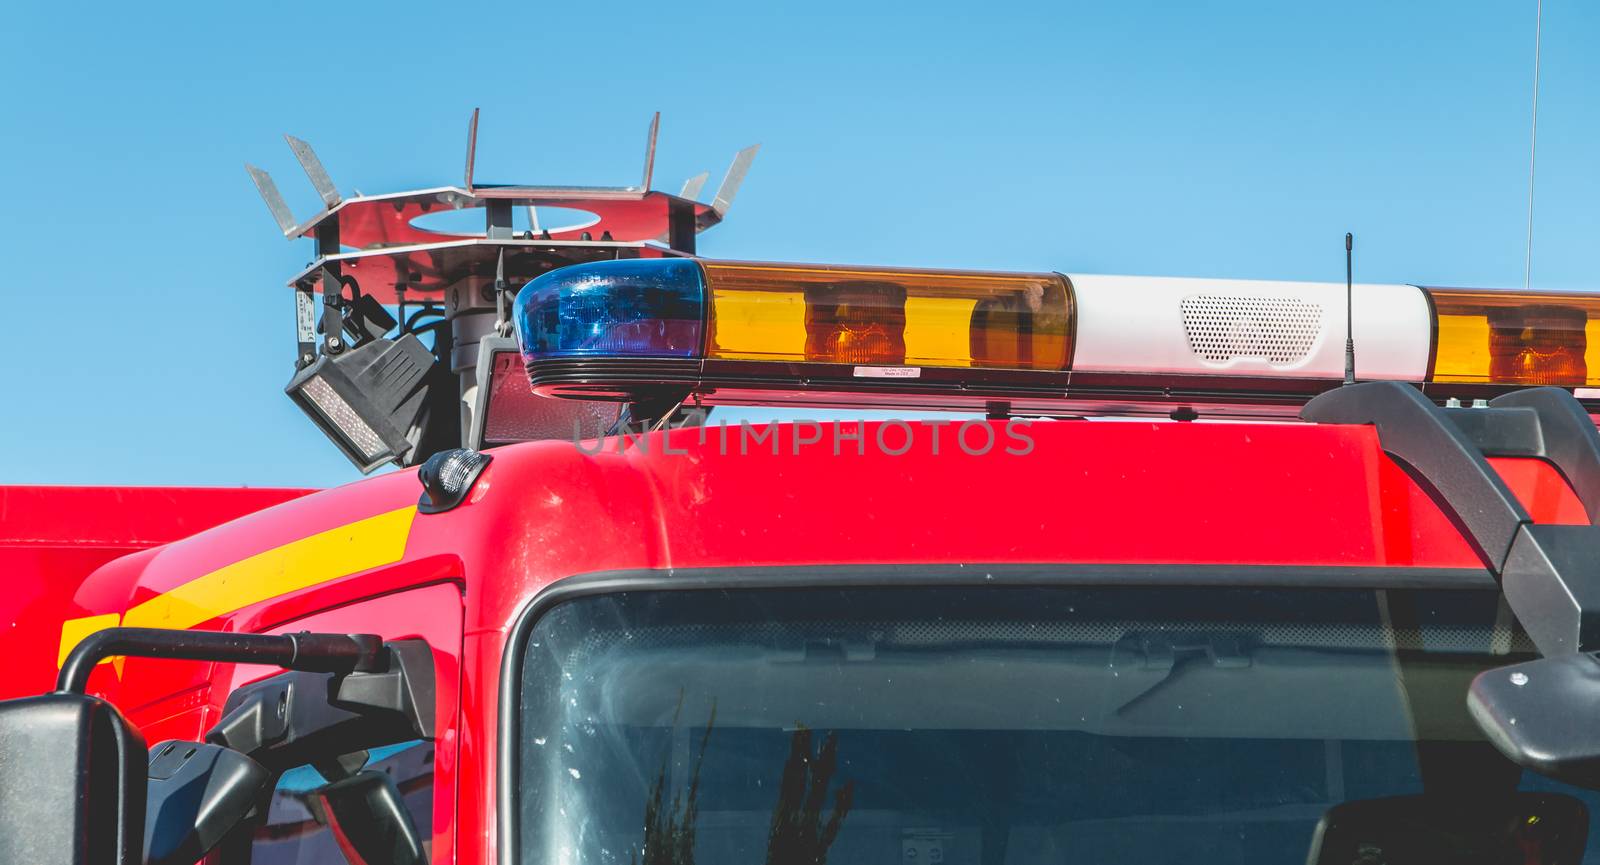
{"x":1550,"y":574}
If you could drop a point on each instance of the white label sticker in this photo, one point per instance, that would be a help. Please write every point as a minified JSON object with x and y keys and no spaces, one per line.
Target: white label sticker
{"x":304,"y":324}
{"x":1586,"y":392}
{"x":888,"y":372}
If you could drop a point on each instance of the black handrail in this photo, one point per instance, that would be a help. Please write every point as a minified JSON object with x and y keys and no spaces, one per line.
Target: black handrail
{"x":325,"y":653}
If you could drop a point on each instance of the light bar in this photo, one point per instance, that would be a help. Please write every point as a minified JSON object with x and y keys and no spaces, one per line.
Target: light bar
{"x":736,"y":332}
{"x":1518,"y":338}
{"x":917,"y":318}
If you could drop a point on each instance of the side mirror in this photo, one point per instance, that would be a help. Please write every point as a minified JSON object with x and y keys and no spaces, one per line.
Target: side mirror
{"x":1544,"y":715}
{"x":197,"y":793}
{"x":1548,"y":828}
{"x":369,"y":820}
{"x":73,"y":787}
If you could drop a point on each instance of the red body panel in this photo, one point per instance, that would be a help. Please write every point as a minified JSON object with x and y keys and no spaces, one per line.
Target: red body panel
{"x":51,"y":538}
{"x":1541,"y":489}
{"x":431,"y":613}
{"x":1089,"y":492}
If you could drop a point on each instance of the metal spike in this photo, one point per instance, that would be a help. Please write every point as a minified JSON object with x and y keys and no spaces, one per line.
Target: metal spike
{"x":275,"y":203}
{"x":692,"y":186}
{"x":472,"y":146}
{"x":533,"y":219}
{"x":650,"y":151}
{"x":734,"y":177}
{"x":314,"y":170}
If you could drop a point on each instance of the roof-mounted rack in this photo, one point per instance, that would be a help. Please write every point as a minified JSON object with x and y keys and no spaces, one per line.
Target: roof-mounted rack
{"x":384,"y":291}
{"x":1550,"y":574}
{"x":390,"y":253}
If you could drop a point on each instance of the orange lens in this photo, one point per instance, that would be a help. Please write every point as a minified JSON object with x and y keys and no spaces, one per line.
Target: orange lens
{"x":1537,"y":345}
{"x":1520,"y":338}
{"x":856,"y":322}
{"x":870,"y":316}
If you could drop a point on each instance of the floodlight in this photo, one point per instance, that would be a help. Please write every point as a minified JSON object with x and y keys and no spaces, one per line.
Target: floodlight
{"x":369,"y":400}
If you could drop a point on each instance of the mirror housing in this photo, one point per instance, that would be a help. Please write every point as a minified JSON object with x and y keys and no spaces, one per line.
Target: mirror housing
{"x":73,"y":788}
{"x":369,"y":820}
{"x":197,"y":794}
{"x":1541,"y":715}
{"x":76,"y":775}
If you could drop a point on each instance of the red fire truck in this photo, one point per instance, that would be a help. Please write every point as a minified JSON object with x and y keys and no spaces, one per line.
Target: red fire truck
{"x":1157,"y":586}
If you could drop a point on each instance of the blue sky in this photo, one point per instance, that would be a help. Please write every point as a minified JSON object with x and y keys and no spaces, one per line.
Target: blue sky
{"x":151,"y":333}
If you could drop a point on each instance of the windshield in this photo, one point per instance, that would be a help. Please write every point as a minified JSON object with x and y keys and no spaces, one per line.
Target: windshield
{"x":999,"y":725}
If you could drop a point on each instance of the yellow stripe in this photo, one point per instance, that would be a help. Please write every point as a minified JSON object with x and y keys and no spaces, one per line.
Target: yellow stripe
{"x":301,"y":564}
{"x":74,"y":630}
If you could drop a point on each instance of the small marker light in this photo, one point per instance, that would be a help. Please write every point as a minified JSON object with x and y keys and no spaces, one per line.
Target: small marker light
{"x":447,"y":477}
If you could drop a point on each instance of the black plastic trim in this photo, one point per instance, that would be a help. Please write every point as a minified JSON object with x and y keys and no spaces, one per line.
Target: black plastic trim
{"x":1552,"y":583}
{"x":610,"y":378}
{"x":1569,"y":439}
{"x":1415,"y":431}
{"x":634,"y":379}
{"x":1556,"y":701}
{"x":1550,"y":574}
{"x":908,"y":576}
{"x":187,"y":780}
{"x":301,"y":716}
{"x":1500,"y":432}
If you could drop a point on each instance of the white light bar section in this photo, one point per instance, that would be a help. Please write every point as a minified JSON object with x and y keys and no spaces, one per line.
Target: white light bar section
{"x":1140,"y":324}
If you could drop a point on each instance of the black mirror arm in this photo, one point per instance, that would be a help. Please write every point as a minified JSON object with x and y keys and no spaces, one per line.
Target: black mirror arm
{"x":306,"y":716}
{"x":330,"y":653}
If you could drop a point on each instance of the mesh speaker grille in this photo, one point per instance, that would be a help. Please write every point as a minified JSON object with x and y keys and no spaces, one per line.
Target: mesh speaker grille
{"x":1222,"y":328}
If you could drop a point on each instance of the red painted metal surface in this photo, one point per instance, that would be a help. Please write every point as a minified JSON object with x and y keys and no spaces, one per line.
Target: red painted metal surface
{"x":51,"y":538}
{"x":1542,"y":490}
{"x":431,"y":613}
{"x":426,"y":269}
{"x":627,"y":216}
{"x":1088,"y":492}
{"x":378,"y":227}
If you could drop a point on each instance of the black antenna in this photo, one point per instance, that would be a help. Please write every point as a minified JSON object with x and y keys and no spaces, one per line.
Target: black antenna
{"x":1349,"y":314}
